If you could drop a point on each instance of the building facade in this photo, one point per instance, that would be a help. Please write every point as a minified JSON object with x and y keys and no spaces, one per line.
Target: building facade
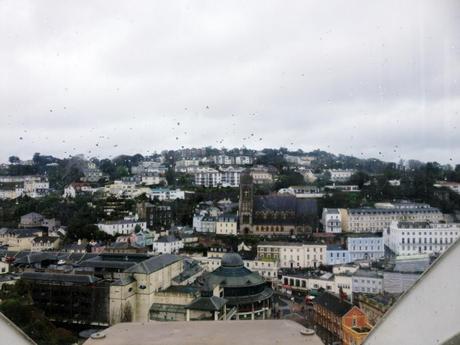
{"x":413,"y":238}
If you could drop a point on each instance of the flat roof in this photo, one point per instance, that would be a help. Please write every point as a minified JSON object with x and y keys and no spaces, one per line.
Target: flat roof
{"x":259,"y":332}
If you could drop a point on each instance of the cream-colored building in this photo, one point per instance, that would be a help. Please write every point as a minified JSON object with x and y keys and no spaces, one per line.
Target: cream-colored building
{"x":19,"y":239}
{"x":292,"y":254}
{"x":227,"y":225}
{"x":40,"y":244}
{"x":379,"y":219}
{"x":134,"y":293}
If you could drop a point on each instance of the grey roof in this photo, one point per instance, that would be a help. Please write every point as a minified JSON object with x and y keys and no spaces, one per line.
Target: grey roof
{"x":46,"y":239}
{"x":60,"y":278}
{"x":232,"y":260}
{"x":154,"y":264}
{"x":167,"y":239}
{"x":333,"y":303}
{"x":213,"y":303}
{"x":392,"y":210}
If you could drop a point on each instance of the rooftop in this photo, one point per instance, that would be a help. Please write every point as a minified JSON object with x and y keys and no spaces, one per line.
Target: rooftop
{"x":260,"y":332}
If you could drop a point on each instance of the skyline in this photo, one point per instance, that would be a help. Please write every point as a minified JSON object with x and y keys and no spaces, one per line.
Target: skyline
{"x":132,"y":79}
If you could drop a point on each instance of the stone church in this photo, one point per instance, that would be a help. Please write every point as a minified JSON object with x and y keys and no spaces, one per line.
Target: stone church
{"x":274,"y":214}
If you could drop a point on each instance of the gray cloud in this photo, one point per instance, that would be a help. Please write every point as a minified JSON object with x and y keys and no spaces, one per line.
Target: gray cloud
{"x":356,"y":77}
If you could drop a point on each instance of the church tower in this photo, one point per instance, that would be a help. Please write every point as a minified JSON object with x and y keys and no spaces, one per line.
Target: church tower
{"x":246,"y":202}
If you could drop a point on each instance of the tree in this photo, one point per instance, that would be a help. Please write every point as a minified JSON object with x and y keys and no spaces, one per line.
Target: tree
{"x":14,"y":159}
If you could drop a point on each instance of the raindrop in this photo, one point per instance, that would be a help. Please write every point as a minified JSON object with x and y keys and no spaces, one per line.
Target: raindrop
{"x":20,"y":138}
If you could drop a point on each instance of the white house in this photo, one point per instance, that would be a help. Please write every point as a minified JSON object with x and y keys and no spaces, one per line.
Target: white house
{"x":163,"y":194}
{"x":75,"y":188}
{"x":340,"y":175}
{"x":412,"y":238}
{"x":121,"y":227}
{"x":207,"y":177}
{"x":332,"y":220}
{"x":365,"y":248}
{"x":167,"y":245}
{"x":365,"y":281}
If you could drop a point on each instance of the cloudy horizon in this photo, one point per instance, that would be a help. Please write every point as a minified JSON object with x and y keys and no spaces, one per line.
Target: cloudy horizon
{"x":107,"y":78}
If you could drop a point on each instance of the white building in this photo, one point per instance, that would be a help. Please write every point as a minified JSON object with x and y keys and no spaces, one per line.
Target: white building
{"x":208,"y":177}
{"x":243,"y":160}
{"x":337,"y":255}
{"x":163,"y":194}
{"x":340,"y":175}
{"x":230,"y":176}
{"x":453,"y":186}
{"x":12,"y":187}
{"x":223,"y":160}
{"x":365,"y":248}
{"x":76,"y":188}
{"x":412,"y":238}
{"x":227,"y":225}
{"x":358,"y":248}
{"x":332,"y":220}
{"x":365,"y":281}
{"x":167,"y":245}
{"x":261,"y":175}
{"x":311,"y":281}
{"x":293,"y":255}
{"x":121,"y":227}
{"x":208,"y":224}
{"x":379,"y":219}
{"x":303,"y":192}
{"x":148,"y":167}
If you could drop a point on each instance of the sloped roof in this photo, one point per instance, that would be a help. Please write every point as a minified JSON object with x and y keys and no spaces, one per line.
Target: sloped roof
{"x":213,"y":303}
{"x":154,"y":264}
{"x":334,"y":303}
{"x":58,"y":277}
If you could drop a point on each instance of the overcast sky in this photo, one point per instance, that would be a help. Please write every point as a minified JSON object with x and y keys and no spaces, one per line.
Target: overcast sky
{"x":368,"y":78}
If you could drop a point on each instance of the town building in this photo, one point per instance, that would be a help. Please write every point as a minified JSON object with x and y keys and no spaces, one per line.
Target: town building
{"x":274,"y":214}
{"x":167,"y":245}
{"x":267,"y":269}
{"x":121,"y":227}
{"x":246,"y":293}
{"x":412,"y":238}
{"x":12,"y":187}
{"x":316,"y":281}
{"x":166,"y":194}
{"x":293,"y":254}
{"x":261,"y":175}
{"x":340,"y":175}
{"x":45,"y":243}
{"x":208,"y":177}
{"x":102,"y":289}
{"x":453,"y":186}
{"x":303,"y":191}
{"x":342,"y":321}
{"x":20,"y":239}
{"x":369,"y":282}
{"x":91,"y":173}
{"x":159,"y":217}
{"x":227,"y":224}
{"x":369,"y":248}
{"x":78,"y":188}
{"x":379,"y":219}
{"x":148,"y":167}
{"x":337,"y":255}
{"x":332,"y":220}
{"x":375,"y":306}
{"x":230,"y":176}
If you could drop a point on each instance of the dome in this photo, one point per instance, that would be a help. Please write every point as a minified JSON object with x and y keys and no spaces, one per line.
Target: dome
{"x":232,"y":260}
